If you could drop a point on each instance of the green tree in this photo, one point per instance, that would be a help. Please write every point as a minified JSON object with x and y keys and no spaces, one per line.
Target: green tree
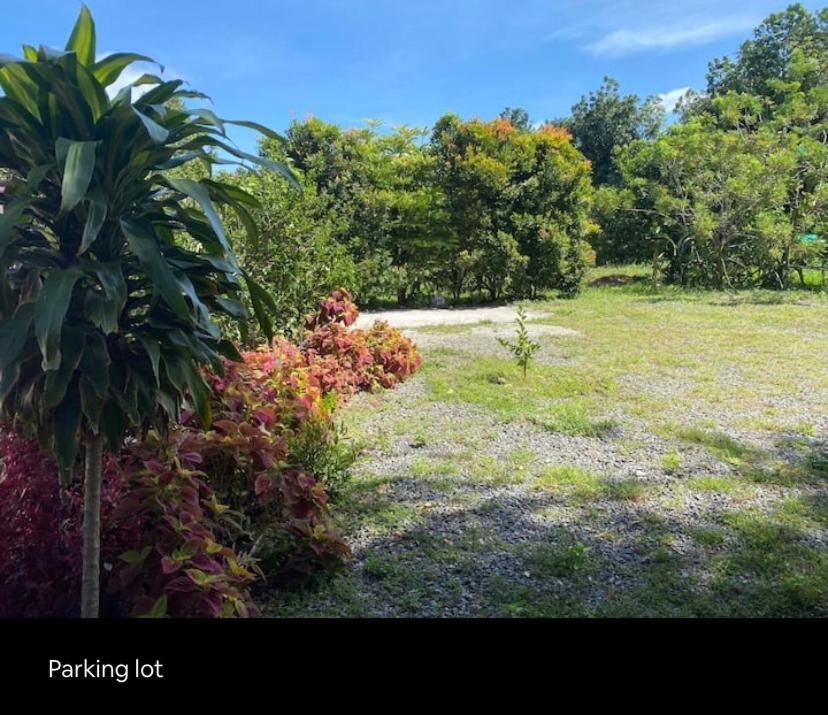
{"x":605,"y":119}
{"x":518,"y":204}
{"x":717,"y":199}
{"x":294,"y":254}
{"x":105,"y":314}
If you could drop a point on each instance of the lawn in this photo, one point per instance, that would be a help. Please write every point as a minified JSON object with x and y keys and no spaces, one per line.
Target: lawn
{"x":666,"y":456}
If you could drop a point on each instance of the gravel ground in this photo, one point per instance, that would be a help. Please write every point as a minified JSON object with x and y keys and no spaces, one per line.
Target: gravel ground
{"x":463,"y":549}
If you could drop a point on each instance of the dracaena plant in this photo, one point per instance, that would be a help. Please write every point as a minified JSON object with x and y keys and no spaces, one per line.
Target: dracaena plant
{"x":113,"y":271}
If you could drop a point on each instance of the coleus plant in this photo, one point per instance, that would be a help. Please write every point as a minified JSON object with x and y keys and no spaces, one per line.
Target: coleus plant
{"x":105,"y":313}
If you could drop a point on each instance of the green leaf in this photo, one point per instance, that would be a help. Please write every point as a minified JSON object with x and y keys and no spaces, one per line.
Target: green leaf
{"x":71,"y":348}
{"x":144,"y":245}
{"x":258,"y":127}
{"x":136,"y":557}
{"x":229,"y":350}
{"x":91,"y":403}
{"x":50,"y":310}
{"x":14,"y":332}
{"x":153,"y":350}
{"x":157,"y":133}
{"x":77,"y":174}
{"x":276,"y":166}
{"x":112,"y":424}
{"x":198,"y":193}
{"x":95,"y":362}
{"x":9,"y":219}
{"x":94,"y":222}
{"x":261,"y":301}
{"x":107,"y":70}
{"x":65,"y":423}
{"x":159,"y":608}
{"x":107,"y":309}
{"x":232,"y":307}
{"x":82,"y":39}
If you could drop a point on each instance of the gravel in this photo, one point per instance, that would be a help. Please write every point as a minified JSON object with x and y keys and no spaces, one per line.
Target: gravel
{"x":472,"y":534}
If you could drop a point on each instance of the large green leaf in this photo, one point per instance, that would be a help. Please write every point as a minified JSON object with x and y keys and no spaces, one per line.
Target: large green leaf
{"x":199,"y":193}
{"x":153,"y":349}
{"x":10,"y":219}
{"x":71,"y":348}
{"x":144,"y":244}
{"x":14,"y":332}
{"x":66,"y":422}
{"x":82,"y":39}
{"x":104,"y":310}
{"x":77,"y":173}
{"x":95,"y":362}
{"x":157,"y":133}
{"x":91,"y":403}
{"x":107,"y":70}
{"x":262,"y":304}
{"x":94,"y":222}
{"x":50,"y":310}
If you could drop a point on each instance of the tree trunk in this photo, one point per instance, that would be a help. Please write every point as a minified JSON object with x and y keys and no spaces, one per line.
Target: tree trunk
{"x":90,"y":589}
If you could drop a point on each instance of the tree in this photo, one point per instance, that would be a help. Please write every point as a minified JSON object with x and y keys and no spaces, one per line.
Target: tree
{"x":106,"y":314}
{"x":605,"y":120}
{"x":379,"y":191}
{"x":518,"y":204}
{"x":768,"y":56}
{"x":295,"y":250}
{"x":765,"y":64}
{"x":518,"y":117}
{"x":718,"y":199}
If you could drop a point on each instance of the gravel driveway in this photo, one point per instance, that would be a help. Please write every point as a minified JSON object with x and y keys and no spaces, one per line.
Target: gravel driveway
{"x":455,"y":511}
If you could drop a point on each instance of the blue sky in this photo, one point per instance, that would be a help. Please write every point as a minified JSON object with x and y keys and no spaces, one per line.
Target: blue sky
{"x":406,"y":61}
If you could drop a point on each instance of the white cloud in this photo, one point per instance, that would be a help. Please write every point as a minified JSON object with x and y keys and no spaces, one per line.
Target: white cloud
{"x":675,"y":34}
{"x":670,"y":99}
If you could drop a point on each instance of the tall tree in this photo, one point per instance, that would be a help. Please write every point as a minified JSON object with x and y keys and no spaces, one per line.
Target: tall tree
{"x":606,"y":119}
{"x":105,"y":315}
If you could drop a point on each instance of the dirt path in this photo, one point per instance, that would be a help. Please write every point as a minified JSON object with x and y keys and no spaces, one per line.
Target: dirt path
{"x":418,"y":318}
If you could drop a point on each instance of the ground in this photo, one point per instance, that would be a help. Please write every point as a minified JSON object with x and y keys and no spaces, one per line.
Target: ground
{"x":665,"y":456}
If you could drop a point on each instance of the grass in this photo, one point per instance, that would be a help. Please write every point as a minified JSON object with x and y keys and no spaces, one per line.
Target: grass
{"x":711,"y":376}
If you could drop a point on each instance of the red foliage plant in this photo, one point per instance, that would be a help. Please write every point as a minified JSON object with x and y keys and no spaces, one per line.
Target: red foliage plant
{"x":188,"y":520}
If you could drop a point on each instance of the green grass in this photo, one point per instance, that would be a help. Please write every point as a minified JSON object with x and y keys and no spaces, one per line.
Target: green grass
{"x":562,"y":558}
{"x":642,"y":360}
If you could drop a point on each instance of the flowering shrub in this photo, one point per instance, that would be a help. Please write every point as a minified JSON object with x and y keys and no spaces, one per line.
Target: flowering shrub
{"x":351,"y":360}
{"x":40,"y":532}
{"x":190,"y":520}
{"x":157,"y":546}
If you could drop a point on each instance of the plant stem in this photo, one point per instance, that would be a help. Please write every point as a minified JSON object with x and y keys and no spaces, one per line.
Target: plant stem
{"x":90,"y":589}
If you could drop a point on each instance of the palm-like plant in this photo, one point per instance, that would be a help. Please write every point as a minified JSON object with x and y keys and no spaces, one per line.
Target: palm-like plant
{"x":105,"y":314}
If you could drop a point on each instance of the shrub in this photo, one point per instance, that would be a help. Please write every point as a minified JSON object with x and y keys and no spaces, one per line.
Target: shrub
{"x":158,"y":546}
{"x":189,"y":519}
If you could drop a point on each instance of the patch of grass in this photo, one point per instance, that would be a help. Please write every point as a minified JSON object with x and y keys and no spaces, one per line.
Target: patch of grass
{"x":380,"y":567}
{"x":364,"y":503}
{"x":562,"y":558}
{"x":533,"y":397}
{"x":625,"y":489}
{"x":720,"y":445}
{"x":573,"y":418}
{"x":710,"y":536}
{"x":671,"y":461}
{"x":716,"y":485}
{"x":770,"y":571}
{"x":570,"y":481}
{"x":425,"y":468}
